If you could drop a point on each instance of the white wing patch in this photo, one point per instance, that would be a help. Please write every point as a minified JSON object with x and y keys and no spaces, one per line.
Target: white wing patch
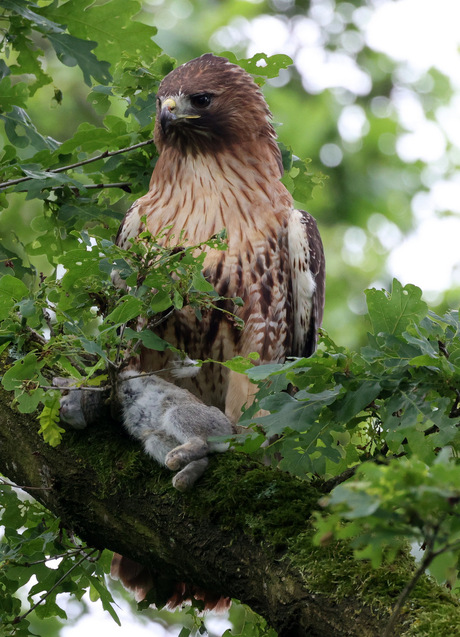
{"x":130,"y":226}
{"x":302,"y":280}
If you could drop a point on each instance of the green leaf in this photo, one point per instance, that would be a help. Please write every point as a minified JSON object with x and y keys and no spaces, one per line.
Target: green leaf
{"x":148,"y":338}
{"x":261,"y":64}
{"x":12,"y":290}
{"x":393,"y":313}
{"x":160,"y":302}
{"x":49,"y":419}
{"x":22,"y":133}
{"x":111,"y":25}
{"x":106,"y":598}
{"x":12,"y":95}
{"x":241,"y":364}
{"x":200,"y":283}
{"x":72,"y":51}
{"x":129,"y":307}
{"x":355,"y":400}
{"x":81,"y":264}
{"x":24,"y":369}
{"x":22,"y":7}
{"x":297,"y":412}
{"x":262,"y":372}
{"x":443,"y":568}
{"x":28,"y":401}
{"x":29,"y":61}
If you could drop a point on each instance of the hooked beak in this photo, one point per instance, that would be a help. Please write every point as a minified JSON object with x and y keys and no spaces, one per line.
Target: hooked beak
{"x":172,"y":111}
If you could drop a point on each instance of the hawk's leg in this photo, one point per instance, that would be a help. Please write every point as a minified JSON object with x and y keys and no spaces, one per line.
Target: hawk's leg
{"x":241,"y":392}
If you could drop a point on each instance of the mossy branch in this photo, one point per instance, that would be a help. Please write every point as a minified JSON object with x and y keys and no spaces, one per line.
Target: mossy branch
{"x":244,"y":531}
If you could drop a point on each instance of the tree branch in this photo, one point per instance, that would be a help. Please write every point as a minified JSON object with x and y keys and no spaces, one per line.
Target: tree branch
{"x":13,"y":182}
{"x":123,"y":185}
{"x":244,"y":531}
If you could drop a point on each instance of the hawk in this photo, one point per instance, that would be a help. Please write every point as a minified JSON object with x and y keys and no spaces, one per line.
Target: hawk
{"x":219,"y":166}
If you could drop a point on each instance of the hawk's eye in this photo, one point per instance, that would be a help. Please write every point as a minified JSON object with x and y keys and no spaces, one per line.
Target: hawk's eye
{"x":200,"y":100}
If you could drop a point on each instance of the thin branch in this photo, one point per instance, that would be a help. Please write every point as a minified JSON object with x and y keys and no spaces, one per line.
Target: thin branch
{"x":103,"y":155}
{"x":50,"y":558}
{"x":5,"y":483}
{"x":407,"y":590}
{"x":66,"y":389}
{"x":124,"y":185}
{"x":104,"y":388}
{"x":35,"y":337}
{"x":429,"y":556}
{"x":334,"y":482}
{"x":60,"y":580}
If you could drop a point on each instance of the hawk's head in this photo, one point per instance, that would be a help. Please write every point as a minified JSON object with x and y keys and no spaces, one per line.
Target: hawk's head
{"x":209,"y":104}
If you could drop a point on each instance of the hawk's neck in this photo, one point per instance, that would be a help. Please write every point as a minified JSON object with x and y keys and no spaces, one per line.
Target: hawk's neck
{"x":201,"y":194}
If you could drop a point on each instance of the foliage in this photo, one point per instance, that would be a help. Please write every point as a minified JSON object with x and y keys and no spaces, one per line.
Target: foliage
{"x":58,"y":307}
{"x":35,"y":544}
{"x":88,"y":318}
{"x":388,"y":412}
{"x":398,"y":393}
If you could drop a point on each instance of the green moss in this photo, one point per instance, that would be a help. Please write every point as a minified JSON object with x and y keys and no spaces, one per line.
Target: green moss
{"x":333,"y":572}
{"x":117,"y":461}
{"x":246,"y":497}
{"x":269,"y":505}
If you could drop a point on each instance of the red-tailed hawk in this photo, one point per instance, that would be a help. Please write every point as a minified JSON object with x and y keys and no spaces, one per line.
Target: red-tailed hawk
{"x":219,"y":167}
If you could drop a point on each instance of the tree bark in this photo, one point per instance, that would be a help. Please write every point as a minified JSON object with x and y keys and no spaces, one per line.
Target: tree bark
{"x":244,"y":531}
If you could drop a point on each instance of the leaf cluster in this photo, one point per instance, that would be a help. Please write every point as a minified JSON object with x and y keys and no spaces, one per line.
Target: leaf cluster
{"x":83,"y":324}
{"x":128,"y":84}
{"x":390,"y":413}
{"x":35,"y":544}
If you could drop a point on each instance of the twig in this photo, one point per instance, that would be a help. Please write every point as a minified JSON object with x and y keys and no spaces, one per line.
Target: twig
{"x":70,"y":553}
{"x":164,"y":317}
{"x":5,"y":483}
{"x":429,"y":556}
{"x":48,"y":387}
{"x":124,"y":185}
{"x":35,"y":337}
{"x":104,"y":388}
{"x":18,"y":619}
{"x":106,"y":153}
{"x":407,"y":590}
{"x":334,"y":482}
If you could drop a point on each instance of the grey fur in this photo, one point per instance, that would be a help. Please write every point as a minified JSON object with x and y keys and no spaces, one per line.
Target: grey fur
{"x":173,"y":425}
